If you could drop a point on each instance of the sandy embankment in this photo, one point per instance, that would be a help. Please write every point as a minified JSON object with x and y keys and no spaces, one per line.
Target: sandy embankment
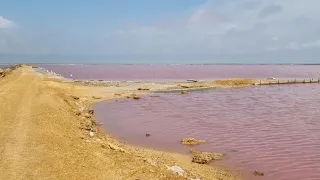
{"x":48,"y":132}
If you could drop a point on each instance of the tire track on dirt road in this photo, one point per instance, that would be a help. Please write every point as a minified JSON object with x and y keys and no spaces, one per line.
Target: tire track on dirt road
{"x":18,"y":94}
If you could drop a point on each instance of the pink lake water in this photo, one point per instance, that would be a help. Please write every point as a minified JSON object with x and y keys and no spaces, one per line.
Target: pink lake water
{"x":274,"y":129}
{"x":182,"y":72}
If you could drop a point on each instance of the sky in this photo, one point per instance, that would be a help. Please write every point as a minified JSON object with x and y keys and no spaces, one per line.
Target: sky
{"x":160,"y":31}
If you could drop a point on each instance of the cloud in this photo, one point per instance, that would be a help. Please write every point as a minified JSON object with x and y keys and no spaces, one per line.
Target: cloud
{"x":5,"y":23}
{"x":217,"y":28}
{"x":293,"y":45}
{"x":305,"y":45}
{"x":269,"y":10}
{"x":229,"y":26}
{"x":312,"y":44}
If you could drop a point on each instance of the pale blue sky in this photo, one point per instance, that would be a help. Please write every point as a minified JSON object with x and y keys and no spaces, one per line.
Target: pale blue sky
{"x":160,"y":31}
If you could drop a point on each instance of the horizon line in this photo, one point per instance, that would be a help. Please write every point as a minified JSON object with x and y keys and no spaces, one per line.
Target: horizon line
{"x":35,"y":63}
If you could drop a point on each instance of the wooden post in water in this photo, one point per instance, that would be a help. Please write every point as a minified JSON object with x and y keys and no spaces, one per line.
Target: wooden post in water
{"x":260,"y":82}
{"x":304,"y":81}
{"x":318,"y":80}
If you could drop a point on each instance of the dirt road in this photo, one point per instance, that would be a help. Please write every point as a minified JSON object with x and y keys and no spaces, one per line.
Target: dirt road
{"x":41,"y":138}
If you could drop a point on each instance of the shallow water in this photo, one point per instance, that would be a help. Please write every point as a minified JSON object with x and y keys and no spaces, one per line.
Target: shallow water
{"x":274,"y":129}
{"x":182,"y":72}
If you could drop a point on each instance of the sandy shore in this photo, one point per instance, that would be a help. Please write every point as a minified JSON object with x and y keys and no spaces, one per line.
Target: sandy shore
{"x":48,"y":131}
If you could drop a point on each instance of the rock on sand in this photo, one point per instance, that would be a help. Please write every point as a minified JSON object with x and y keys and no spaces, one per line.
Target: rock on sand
{"x":176,"y":169}
{"x":1,"y":72}
{"x":192,"y":141}
{"x":204,"y":157}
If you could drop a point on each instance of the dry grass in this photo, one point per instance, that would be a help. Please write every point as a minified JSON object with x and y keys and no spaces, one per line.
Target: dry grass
{"x":233,"y":82}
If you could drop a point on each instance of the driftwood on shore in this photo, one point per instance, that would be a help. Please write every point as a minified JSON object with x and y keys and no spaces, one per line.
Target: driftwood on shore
{"x":192,"y":80}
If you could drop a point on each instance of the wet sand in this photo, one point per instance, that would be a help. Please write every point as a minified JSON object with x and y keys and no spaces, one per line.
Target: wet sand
{"x":48,"y":131}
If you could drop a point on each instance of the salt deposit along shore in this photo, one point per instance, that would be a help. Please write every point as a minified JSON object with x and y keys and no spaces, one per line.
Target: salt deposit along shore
{"x":48,"y":131}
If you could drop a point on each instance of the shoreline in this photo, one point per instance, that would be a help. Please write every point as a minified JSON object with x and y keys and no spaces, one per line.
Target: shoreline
{"x":73,"y":147}
{"x":71,"y":101}
{"x":171,"y":85}
{"x":119,"y":145}
{"x":76,"y":98}
{"x":122,"y":146}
